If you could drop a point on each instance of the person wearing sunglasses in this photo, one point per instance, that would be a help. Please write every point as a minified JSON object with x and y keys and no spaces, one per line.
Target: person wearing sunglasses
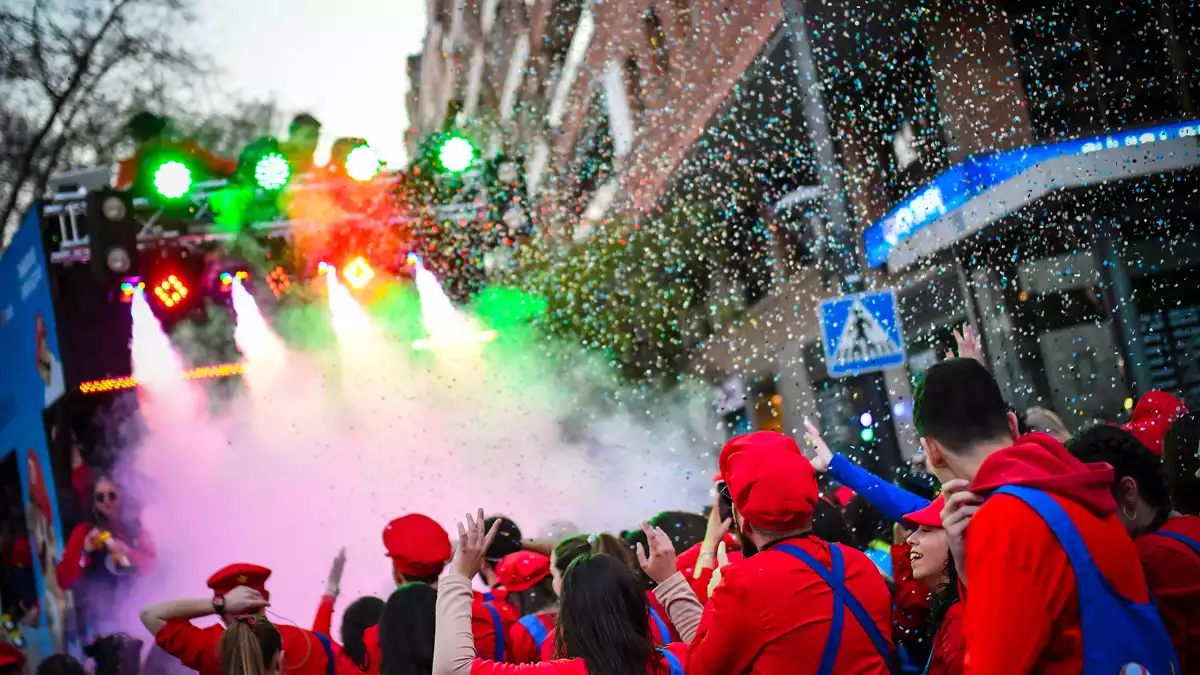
{"x":104,"y":553}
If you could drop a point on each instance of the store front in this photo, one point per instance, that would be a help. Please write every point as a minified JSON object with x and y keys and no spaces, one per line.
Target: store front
{"x":1074,"y":260}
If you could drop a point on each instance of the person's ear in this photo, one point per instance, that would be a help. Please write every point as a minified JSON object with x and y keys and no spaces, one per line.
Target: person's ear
{"x":933,"y":453}
{"x":1127,"y":493}
{"x":1014,"y":426}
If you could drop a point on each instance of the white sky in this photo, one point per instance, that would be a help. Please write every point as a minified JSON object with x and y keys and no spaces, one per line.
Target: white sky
{"x":341,"y":60}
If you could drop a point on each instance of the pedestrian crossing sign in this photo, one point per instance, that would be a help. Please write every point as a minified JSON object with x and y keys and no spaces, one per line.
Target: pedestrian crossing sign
{"x":861,"y":333}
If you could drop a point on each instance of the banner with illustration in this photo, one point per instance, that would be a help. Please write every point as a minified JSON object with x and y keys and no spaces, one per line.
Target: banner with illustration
{"x":37,"y":613}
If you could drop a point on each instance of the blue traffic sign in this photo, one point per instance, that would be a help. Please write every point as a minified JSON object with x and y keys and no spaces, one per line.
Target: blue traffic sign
{"x":861,"y":333}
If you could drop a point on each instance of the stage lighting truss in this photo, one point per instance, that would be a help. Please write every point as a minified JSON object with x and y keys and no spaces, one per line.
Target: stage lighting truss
{"x":171,"y":291}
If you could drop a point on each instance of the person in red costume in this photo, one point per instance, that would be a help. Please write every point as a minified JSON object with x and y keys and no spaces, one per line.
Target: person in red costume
{"x":526,"y":577}
{"x":419,"y":549}
{"x":662,"y":629}
{"x":1167,"y":542}
{"x":104,"y":554}
{"x":239,"y":593}
{"x":362,"y":614}
{"x":1023,"y":597}
{"x":929,"y":554}
{"x":603,"y":624}
{"x":799,"y":604}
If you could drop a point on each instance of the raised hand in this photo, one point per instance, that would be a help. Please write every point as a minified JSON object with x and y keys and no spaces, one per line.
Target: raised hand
{"x":722,"y":561}
{"x":961,"y":505}
{"x":473,"y":542}
{"x":812,"y":434}
{"x":659,"y":562}
{"x":334,"y":585}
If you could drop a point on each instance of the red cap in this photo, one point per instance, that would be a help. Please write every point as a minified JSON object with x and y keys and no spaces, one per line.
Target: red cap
{"x":1152,"y":416}
{"x":520,"y":571}
{"x":717,"y":478}
{"x":930,"y":516}
{"x":772,"y":484}
{"x":240,"y":574}
{"x":417,"y":545}
{"x":11,"y":656}
{"x":844,"y":495}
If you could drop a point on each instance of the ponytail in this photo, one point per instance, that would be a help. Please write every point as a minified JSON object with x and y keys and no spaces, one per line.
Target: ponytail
{"x":248,"y":646}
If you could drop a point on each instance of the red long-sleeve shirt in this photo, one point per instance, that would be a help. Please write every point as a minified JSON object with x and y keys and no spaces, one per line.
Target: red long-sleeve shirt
{"x":1173,"y":572}
{"x":948,"y":647}
{"x":1022,"y":604}
{"x":525,"y":648}
{"x":657,"y":665}
{"x":483,"y":627}
{"x":197,"y":648}
{"x":771,"y":614}
{"x":74,"y":561}
{"x":910,"y":597}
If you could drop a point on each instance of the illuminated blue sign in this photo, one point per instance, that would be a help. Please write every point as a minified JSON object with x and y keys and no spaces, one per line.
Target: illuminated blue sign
{"x":975,"y":175}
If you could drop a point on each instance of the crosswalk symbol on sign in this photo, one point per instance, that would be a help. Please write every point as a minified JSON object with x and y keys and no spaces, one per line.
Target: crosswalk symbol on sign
{"x":861,"y":333}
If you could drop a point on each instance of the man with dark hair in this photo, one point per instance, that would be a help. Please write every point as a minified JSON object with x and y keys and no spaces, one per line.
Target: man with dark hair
{"x":507,"y":541}
{"x":303,"y":135}
{"x":149,"y":133}
{"x":1046,"y":517}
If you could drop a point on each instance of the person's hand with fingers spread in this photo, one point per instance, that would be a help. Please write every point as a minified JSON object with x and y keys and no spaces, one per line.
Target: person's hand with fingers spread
{"x":473,"y":542}
{"x":812,"y":434}
{"x":722,"y":561}
{"x":659,"y":562}
{"x":714,"y":534}
{"x":961,"y":505}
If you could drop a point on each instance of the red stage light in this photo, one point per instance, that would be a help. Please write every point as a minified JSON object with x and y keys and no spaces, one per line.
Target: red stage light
{"x":279,"y":281}
{"x":171,"y":291}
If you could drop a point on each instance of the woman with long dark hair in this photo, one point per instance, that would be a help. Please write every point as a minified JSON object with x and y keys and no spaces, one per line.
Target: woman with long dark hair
{"x":362,"y":614}
{"x":933,"y":566}
{"x":1168,"y":542}
{"x":406,"y":630}
{"x":603,"y":622}
{"x":104,"y":553}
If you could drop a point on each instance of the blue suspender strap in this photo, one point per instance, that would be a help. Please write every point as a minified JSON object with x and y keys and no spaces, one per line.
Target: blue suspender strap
{"x":1064,"y":530}
{"x":837,"y":624}
{"x":535,"y":628}
{"x":329,"y":666}
{"x":1195,"y":546}
{"x":672,"y":662}
{"x":664,"y":633}
{"x":499,"y":626}
{"x":842,"y":594}
{"x":489,"y":596}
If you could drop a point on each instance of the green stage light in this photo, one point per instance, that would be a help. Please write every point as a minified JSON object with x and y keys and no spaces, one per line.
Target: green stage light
{"x":456,"y":154}
{"x":362,"y":163}
{"x":272,"y":171}
{"x":172,"y":179}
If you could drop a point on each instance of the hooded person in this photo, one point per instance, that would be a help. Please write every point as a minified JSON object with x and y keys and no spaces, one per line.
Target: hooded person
{"x":799,"y":604}
{"x":1167,"y":542}
{"x":419,"y":549}
{"x":239,"y":595}
{"x":1044,"y":540}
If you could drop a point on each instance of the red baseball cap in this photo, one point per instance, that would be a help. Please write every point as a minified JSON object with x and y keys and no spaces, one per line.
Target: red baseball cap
{"x":930,"y":516}
{"x":772,"y":484}
{"x":1152,"y":417}
{"x":417,"y":545}
{"x":240,"y":574}
{"x":522,"y":570}
{"x":11,"y":656}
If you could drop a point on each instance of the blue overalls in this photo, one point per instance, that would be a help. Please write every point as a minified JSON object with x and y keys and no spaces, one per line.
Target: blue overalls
{"x":1195,"y":546}
{"x":1119,"y":636}
{"x":498,"y":625}
{"x":842,"y":599}
{"x":328,"y":646}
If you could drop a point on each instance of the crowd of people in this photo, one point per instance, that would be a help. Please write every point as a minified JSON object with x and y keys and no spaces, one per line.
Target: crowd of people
{"x":1022,"y":549}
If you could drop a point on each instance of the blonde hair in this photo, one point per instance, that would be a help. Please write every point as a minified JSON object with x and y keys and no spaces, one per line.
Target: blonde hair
{"x":248,"y":646}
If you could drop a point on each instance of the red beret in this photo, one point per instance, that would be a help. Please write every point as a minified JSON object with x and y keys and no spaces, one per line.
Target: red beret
{"x":520,"y":571}
{"x":240,"y":574}
{"x":417,"y":545}
{"x":1152,"y":416}
{"x":930,"y":516}
{"x":11,"y":656}
{"x":772,"y":484}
